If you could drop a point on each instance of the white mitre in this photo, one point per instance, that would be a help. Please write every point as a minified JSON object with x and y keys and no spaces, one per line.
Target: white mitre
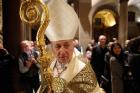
{"x":63,"y":21}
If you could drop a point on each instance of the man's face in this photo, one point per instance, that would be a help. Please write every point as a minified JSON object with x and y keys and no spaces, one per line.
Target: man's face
{"x":25,"y":47}
{"x":102,"y":40}
{"x":63,"y":50}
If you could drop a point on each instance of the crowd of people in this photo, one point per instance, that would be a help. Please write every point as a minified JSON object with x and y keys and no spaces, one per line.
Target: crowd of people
{"x":27,"y":66}
{"x":116,"y":67}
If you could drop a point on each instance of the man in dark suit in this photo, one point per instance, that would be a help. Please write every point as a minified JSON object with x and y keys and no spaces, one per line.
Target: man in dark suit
{"x":97,"y":60}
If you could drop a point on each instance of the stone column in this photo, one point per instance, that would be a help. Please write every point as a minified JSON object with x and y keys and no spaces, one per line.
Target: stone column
{"x":123,"y":22}
{"x":11,"y":26}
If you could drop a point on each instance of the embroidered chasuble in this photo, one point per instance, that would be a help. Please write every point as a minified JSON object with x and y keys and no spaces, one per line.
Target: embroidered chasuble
{"x":78,"y":77}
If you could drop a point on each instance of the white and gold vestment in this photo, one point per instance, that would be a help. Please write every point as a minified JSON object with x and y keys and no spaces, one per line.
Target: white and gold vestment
{"x":77,"y":78}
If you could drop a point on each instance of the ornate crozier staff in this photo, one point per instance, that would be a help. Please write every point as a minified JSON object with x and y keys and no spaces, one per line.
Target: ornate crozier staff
{"x":32,"y":12}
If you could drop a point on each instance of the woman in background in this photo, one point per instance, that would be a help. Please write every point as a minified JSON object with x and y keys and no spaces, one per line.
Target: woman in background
{"x":116,"y":69}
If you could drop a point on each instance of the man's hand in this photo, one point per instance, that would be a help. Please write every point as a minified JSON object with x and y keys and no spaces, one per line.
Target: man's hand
{"x":29,"y":64}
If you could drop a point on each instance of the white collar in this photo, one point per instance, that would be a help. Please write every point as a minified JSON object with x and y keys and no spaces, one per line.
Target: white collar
{"x":74,"y":67}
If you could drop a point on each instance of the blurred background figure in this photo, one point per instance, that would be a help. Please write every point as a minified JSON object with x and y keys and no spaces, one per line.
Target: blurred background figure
{"x":97,"y":58}
{"x":109,"y":45}
{"x":6,"y":64}
{"x":115,"y":40}
{"x":28,"y":67}
{"x":93,"y":43}
{"x":115,"y":69}
{"x":134,"y":63}
{"x":88,"y":51}
{"x":108,"y":54}
{"x":78,"y":48}
{"x":88,"y":55}
{"x":126,"y":48}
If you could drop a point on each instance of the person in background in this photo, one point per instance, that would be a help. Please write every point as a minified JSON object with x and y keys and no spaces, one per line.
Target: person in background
{"x":108,"y":54}
{"x":28,"y":67}
{"x":89,"y":47}
{"x":88,"y":52}
{"x":78,"y":48}
{"x":69,"y":73}
{"x":115,"y":69}
{"x":115,"y":40}
{"x":126,"y":48}
{"x":34,"y":50}
{"x":134,"y":64}
{"x":88,"y":55}
{"x":6,"y":65}
{"x":105,"y":82}
{"x":93,"y":43}
{"x":77,"y":45}
{"x":97,"y":58}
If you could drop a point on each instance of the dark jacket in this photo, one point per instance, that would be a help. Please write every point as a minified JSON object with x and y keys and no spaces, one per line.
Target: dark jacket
{"x":97,"y":60}
{"x":6,"y":63}
{"x":134,"y":61}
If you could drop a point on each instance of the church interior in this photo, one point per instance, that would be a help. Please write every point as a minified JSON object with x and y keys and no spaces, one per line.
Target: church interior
{"x":114,"y":18}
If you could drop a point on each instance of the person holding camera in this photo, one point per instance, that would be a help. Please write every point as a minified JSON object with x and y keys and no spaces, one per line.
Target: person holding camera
{"x":29,"y":68}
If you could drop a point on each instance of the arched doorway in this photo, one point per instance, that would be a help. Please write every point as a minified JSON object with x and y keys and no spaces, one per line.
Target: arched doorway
{"x":105,"y":21}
